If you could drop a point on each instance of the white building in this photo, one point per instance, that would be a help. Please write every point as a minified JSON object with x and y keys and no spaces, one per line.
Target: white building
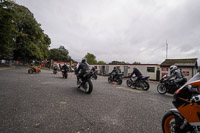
{"x":189,"y":67}
{"x":146,"y":69}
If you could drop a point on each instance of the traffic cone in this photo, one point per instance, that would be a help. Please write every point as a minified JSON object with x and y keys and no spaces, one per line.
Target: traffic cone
{"x":115,"y":83}
{"x":71,"y":75}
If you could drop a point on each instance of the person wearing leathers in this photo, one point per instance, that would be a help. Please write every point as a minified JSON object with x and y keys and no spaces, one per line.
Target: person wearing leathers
{"x":177,"y":73}
{"x":83,"y":67}
{"x":114,"y":73}
{"x":137,"y":73}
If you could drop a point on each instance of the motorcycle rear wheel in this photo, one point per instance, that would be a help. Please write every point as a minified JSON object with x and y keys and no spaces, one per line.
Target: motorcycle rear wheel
{"x":119,"y":82}
{"x":109,"y":80}
{"x":128,"y":83}
{"x":161,"y":89}
{"x":145,"y":85}
{"x":89,"y":87}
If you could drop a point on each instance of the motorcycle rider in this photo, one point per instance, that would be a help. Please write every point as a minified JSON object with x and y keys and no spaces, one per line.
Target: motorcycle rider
{"x":137,"y":73}
{"x":114,"y":73}
{"x":65,"y":68}
{"x":177,"y":73}
{"x":83,"y":67}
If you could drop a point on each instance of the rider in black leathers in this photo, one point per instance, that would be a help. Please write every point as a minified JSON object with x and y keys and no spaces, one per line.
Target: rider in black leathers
{"x":83,"y":67}
{"x":137,"y":73}
{"x":177,"y":73}
{"x":65,"y":67}
{"x":114,"y":73}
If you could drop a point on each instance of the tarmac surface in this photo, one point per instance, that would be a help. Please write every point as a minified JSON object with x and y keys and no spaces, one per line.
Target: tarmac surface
{"x":47,"y":103}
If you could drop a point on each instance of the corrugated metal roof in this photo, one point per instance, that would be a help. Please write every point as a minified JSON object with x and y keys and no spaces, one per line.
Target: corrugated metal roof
{"x":180,"y":62}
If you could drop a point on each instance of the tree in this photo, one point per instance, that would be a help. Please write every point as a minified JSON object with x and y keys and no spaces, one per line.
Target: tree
{"x":60,"y":54}
{"x":24,"y":39}
{"x":136,"y":62}
{"x":101,"y":62}
{"x":91,"y":59}
{"x":118,"y":62}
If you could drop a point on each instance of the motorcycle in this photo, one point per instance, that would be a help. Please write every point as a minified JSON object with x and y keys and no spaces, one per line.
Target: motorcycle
{"x":64,"y":74}
{"x":142,"y":83}
{"x":117,"y":79}
{"x":168,"y":85}
{"x":34,"y":69}
{"x":94,"y":74}
{"x":185,"y":118}
{"x":85,"y":82}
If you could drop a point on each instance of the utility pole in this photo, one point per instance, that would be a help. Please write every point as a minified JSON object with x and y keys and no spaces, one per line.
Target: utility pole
{"x":166,"y":48}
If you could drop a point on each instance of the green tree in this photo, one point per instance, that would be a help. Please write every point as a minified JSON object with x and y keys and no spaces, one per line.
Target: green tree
{"x":118,"y":62}
{"x":101,"y":62}
{"x":60,"y":54}
{"x":136,"y":62}
{"x":26,"y":40}
{"x":91,"y":59}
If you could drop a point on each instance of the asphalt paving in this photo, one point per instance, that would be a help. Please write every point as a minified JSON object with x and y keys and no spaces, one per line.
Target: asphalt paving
{"x":48,"y":103}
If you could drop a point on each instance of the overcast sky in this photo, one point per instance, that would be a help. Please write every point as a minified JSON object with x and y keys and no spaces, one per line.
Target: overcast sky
{"x":123,"y":30}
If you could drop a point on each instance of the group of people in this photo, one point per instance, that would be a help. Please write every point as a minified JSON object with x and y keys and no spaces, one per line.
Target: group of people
{"x":83,"y":67}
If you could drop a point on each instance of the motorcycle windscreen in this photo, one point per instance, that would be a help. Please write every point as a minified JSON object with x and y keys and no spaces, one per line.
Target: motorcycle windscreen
{"x":194,"y":81}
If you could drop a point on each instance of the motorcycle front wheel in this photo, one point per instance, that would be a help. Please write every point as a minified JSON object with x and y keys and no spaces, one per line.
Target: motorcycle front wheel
{"x":128,"y":83}
{"x":171,"y":123}
{"x":30,"y":71}
{"x":161,"y":89}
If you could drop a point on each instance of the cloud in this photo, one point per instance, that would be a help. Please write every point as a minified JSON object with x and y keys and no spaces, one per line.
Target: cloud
{"x":126,"y":30}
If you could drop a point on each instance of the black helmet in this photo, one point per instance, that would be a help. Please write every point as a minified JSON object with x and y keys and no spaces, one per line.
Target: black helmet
{"x":84,"y":60}
{"x":115,"y":68}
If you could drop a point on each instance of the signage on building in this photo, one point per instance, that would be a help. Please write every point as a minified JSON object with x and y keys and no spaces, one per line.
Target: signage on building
{"x":186,"y":73}
{"x":164,"y":68}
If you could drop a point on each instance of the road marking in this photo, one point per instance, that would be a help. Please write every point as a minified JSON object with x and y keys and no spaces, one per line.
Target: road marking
{"x":133,"y":90}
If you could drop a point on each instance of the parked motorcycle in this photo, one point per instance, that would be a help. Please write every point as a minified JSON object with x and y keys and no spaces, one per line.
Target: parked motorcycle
{"x":117,"y":79}
{"x":168,"y":85}
{"x":142,"y":83}
{"x":185,"y":118}
{"x":34,"y":69}
{"x":85,"y":83}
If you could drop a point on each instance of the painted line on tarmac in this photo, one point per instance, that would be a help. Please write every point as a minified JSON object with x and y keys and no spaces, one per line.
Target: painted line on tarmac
{"x":133,"y":90}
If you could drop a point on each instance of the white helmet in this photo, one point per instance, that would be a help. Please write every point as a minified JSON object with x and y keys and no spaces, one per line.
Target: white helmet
{"x":172,"y":68}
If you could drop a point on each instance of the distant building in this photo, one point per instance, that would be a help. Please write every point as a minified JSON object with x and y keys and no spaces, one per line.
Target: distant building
{"x":146,"y":69}
{"x":189,"y":67}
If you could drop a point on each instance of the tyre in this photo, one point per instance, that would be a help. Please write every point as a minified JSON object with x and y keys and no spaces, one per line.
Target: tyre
{"x":145,"y":85}
{"x":30,"y":71}
{"x":109,"y":80}
{"x":171,"y":123}
{"x":161,"y":88}
{"x":119,"y":82}
{"x":89,"y":87}
{"x":128,"y":83}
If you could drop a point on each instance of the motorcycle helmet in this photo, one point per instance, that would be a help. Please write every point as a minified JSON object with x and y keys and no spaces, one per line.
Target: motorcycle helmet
{"x":172,"y":68}
{"x":115,"y":68}
{"x":84,"y":60}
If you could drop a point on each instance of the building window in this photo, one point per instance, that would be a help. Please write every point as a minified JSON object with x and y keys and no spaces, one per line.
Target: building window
{"x":151,"y":69}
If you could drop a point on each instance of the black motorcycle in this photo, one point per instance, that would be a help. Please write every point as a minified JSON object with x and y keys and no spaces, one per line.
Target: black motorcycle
{"x":117,"y":78}
{"x":86,"y":82}
{"x":94,"y":74}
{"x":65,"y":74}
{"x":142,"y":83}
{"x":168,"y":85}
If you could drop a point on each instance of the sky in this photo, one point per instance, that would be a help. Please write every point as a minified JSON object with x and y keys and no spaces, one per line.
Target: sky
{"x":121,"y":30}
